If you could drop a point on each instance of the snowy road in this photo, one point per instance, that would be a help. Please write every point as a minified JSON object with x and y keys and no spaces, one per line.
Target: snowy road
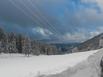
{"x":16,"y":65}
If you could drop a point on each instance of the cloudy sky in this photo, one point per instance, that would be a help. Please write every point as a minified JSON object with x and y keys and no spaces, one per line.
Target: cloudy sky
{"x":57,"y":20}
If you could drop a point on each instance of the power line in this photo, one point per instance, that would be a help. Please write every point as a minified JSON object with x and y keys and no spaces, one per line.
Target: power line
{"x":35,"y":17}
{"x":25,"y":13}
{"x":43,"y":17}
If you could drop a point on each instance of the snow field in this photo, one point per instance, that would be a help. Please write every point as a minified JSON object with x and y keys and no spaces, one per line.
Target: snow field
{"x":16,"y":65}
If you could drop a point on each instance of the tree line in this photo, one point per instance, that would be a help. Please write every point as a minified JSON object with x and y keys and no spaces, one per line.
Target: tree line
{"x":11,"y":42}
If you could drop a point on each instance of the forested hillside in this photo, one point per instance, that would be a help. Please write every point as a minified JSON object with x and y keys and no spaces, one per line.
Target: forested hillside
{"x":18,"y":43}
{"x":91,"y":44}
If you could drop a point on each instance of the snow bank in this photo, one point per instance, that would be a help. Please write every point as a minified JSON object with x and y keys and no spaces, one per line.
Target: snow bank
{"x":87,"y":68}
{"x":70,"y":65}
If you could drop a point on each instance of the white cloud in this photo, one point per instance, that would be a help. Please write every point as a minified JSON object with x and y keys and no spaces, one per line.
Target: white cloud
{"x":76,"y":37}
{"x":92,"y":34}
{"x":99,"y":2}
{"x":82,"y":35}
{"x":42,"y":31}
{"x":98,"y":31}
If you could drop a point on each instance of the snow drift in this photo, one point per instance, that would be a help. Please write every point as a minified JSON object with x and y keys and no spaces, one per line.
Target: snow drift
{"x":81,"y":64}
{"x":87,"y":68}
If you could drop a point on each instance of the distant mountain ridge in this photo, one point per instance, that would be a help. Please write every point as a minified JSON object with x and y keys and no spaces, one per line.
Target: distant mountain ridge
{"x":91,"y":44}
{"x":65,"y":48}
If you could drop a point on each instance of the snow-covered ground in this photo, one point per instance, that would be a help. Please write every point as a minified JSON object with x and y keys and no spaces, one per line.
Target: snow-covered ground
{"x":16,"y":65}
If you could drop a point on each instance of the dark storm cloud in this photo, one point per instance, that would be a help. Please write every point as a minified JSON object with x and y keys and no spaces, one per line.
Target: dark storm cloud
{"x":61,"y":19}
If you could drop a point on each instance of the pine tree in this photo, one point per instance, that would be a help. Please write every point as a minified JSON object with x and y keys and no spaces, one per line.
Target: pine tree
{"x":19,"y":43}
{"x":35,"y":47}
{"x":3,"y":41}
{"x":26,"y":46}
{"x":12,"y":43}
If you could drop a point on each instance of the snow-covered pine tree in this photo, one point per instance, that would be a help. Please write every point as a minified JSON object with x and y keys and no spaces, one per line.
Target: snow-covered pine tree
{"x":19,"y":39}
{"x":26,"y":46}
{"x":12,"y":43}
{"x":3,"y":41}
{"x":35,"y":47}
